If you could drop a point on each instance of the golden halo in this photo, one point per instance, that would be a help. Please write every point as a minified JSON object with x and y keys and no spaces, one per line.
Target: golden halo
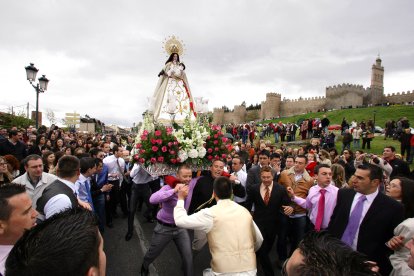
{"x":174,"y":45}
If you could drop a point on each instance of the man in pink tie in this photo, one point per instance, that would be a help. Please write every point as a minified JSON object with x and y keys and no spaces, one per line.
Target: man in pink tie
{"x":321,"y":199}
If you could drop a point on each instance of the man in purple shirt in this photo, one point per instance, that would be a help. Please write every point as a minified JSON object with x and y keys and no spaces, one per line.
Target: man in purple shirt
{"x":166,"y":230}
{"x":321,"y":199}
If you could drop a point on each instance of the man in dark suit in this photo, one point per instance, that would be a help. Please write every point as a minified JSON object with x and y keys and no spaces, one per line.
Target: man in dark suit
{"x":269,"y":198}
{"x":253,"y":175}
{"x":364,"y":218}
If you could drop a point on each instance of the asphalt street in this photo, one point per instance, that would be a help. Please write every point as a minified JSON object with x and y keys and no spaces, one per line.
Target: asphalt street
{"x":124,"y":258}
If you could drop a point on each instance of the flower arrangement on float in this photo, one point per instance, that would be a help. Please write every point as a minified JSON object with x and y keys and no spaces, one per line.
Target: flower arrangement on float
{"x":161,"y":149}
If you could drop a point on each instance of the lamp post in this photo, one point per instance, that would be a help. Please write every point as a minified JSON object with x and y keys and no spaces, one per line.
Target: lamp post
{"x":40,"y":87}
{"x":375,"y":113}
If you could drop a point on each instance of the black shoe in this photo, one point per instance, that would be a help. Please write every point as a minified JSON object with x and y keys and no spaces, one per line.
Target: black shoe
{"x":128,"y":236}
{"x":110,"y":225}
{"x":144,"y":271}
{"x":149,"y":219}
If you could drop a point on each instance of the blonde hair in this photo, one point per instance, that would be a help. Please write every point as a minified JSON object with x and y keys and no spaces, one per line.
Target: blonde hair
{"x":338,"y":175}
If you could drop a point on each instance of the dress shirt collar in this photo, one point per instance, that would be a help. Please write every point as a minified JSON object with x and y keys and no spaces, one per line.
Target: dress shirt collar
{"x":263,"y":187}
{"x":330,"y":188}
{"x":68,"y":183}
{"x":83,"y":178}
{"x":370,"y":197}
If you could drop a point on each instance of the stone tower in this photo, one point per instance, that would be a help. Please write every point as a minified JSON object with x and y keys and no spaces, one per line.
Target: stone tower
{"x":377,"y":82}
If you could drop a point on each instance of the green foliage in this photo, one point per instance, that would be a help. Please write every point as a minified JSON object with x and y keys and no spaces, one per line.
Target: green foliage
{"x":8,"y":121}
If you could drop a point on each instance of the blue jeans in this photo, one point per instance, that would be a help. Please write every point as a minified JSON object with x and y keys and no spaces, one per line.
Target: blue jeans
{"x":357,"y":143}
{"x":277,"y":137}
{"x":161,"y":237}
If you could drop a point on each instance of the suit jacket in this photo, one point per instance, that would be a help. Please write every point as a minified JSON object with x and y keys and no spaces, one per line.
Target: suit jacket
{"x":266,"y":217}
{"x":376,"y":228}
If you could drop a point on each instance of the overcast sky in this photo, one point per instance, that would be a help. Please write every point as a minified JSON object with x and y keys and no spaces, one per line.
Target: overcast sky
{"x":103,"y":57}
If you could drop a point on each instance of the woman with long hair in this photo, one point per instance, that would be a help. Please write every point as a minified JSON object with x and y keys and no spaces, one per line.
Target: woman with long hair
{"x":37,"y":146}
{"x":48,"y":158}
{"x":5,"y":175}
{"x":338,"y":176}
{"x":402,"y":190}
{"x":13,"y":165}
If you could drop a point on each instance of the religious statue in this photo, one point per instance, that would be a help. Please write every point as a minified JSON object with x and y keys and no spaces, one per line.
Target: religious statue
{"x":172,"y":100}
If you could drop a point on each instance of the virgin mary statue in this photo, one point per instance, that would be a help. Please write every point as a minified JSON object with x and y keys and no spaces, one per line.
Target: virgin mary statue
{"x":172,"y":99}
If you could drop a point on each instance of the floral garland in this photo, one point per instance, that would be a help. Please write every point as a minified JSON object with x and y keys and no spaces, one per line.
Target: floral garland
{"x":162,"y":149}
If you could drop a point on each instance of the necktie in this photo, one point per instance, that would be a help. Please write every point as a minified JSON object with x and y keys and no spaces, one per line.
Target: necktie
{"x":88,"y":190}
{"x":321,"y":210}
{"x":266,"y":196}
{"x":353,"y":223}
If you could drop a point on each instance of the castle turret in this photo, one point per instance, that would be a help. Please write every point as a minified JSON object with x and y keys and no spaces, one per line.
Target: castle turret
{"x":377,"y":83}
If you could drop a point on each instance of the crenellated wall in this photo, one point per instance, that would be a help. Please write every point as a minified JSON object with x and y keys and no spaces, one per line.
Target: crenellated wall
{"x":344,"y":95}
{"x":302,"y":105}
{"x":400,"y":97}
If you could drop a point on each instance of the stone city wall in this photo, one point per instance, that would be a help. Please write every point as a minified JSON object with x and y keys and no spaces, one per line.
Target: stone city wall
{"x":299,"y":106}
{"x":400,"y":97}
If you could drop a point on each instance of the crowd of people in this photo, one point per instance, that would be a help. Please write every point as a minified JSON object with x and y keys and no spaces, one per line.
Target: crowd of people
{"x":328,"y":213}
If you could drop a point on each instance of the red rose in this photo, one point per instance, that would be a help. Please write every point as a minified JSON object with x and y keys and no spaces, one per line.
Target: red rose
{"x":220,"y":133}
{"x":169,"y":130}
{"x":215,"y":136}
{"x":138,"y":146}
{"x":154,"y":148}
{"x":153,"y":141}
{"x":145,"y":132}
{"x":210,"y":157}
{"x":178,"y":160}
{"x":223,"y":156}
{"x":142,"y":151}
{"x":136,"y":157}
{"x":224,"y":139}
{"x":143,"y":137}
{"x":215,"y":142}
{"x":158,"y":133}
{"x":172,"y":160}
{"x":216,"y":149}
{"x":209,"y":150}
{"x":170,"y":144}
{"x":160,"y":159}
{"x":153,"y":160}
{"x":159,"y":141}
{"x":141,"y":160}
{"x":175,"y":143}
{"x":172,"y":152}
{"x":217,"y":157}
{"x":208,"y":137}
{"x":164,"y":149}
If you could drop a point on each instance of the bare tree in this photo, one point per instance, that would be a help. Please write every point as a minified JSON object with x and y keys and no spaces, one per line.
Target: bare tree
{"x":51,"y":116}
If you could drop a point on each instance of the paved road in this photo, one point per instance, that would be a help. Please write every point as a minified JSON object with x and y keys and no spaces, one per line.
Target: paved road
{"x":125,"y":258}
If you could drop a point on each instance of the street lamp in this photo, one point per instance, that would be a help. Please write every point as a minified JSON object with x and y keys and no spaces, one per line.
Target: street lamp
{"x":40,"y":87}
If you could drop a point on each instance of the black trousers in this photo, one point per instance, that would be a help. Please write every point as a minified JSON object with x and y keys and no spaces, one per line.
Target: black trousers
{"x":139,"y":192}
{"x":116,"y":196}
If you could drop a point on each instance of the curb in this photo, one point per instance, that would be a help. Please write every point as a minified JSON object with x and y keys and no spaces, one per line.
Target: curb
{"x":144,"y":244}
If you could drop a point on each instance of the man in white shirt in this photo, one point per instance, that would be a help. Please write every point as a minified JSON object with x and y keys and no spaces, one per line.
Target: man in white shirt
{"x":237,"y":167}
{"x":116,"y":166}
{"x":16,"y":215}
{"x":364,"y":218}
{"x":34,"y":179}
{"x":61,"y":194}
{"x":232,"y":235}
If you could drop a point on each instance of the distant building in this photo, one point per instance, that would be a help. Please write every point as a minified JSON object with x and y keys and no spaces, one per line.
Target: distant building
{"x":336,"y":97}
